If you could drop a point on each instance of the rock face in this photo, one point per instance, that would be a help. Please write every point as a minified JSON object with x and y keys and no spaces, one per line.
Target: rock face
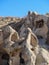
{"x":24,"y":41}
{"x":41,"y":28}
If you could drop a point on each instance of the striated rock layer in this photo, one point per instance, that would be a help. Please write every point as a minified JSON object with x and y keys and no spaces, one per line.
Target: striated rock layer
{"x":24,"y":41}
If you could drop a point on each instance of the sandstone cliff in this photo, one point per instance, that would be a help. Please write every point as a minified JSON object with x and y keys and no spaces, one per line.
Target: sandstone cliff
{"x":24,"y":41}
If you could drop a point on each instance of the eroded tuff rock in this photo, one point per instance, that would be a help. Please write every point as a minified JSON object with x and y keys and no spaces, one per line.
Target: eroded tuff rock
{"x":24,"y":41}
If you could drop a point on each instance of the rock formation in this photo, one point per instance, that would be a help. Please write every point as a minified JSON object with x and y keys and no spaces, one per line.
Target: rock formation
{"x":24,"y":41}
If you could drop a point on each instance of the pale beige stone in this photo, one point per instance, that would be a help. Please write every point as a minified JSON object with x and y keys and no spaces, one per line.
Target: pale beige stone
{"x":42,"y":57}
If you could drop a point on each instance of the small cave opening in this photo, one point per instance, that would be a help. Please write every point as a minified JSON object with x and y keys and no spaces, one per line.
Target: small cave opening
{"x":5,"y":59}
{"x":21,"y":59}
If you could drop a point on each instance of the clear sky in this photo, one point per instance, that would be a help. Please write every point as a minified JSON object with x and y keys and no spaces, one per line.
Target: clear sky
{"x":21,"y":7}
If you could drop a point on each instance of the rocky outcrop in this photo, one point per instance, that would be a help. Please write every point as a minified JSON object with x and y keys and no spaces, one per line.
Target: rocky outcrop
{"x":24,"y":41}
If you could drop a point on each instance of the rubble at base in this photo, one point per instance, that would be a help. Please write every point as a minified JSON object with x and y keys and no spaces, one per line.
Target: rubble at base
{"x":24,"y":41}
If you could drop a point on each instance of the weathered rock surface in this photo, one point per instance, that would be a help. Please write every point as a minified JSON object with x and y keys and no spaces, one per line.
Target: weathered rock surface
{"x":24,"y":41}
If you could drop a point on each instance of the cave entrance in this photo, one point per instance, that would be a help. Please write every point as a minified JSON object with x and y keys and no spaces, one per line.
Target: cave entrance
{"x":4,"y":58}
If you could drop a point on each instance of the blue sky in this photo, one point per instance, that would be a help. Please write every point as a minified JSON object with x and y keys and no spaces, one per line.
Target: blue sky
{"x":20,"y":8}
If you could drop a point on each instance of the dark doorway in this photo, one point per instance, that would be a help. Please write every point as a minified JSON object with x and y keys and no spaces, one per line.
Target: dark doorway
{"x":5,"y":59}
